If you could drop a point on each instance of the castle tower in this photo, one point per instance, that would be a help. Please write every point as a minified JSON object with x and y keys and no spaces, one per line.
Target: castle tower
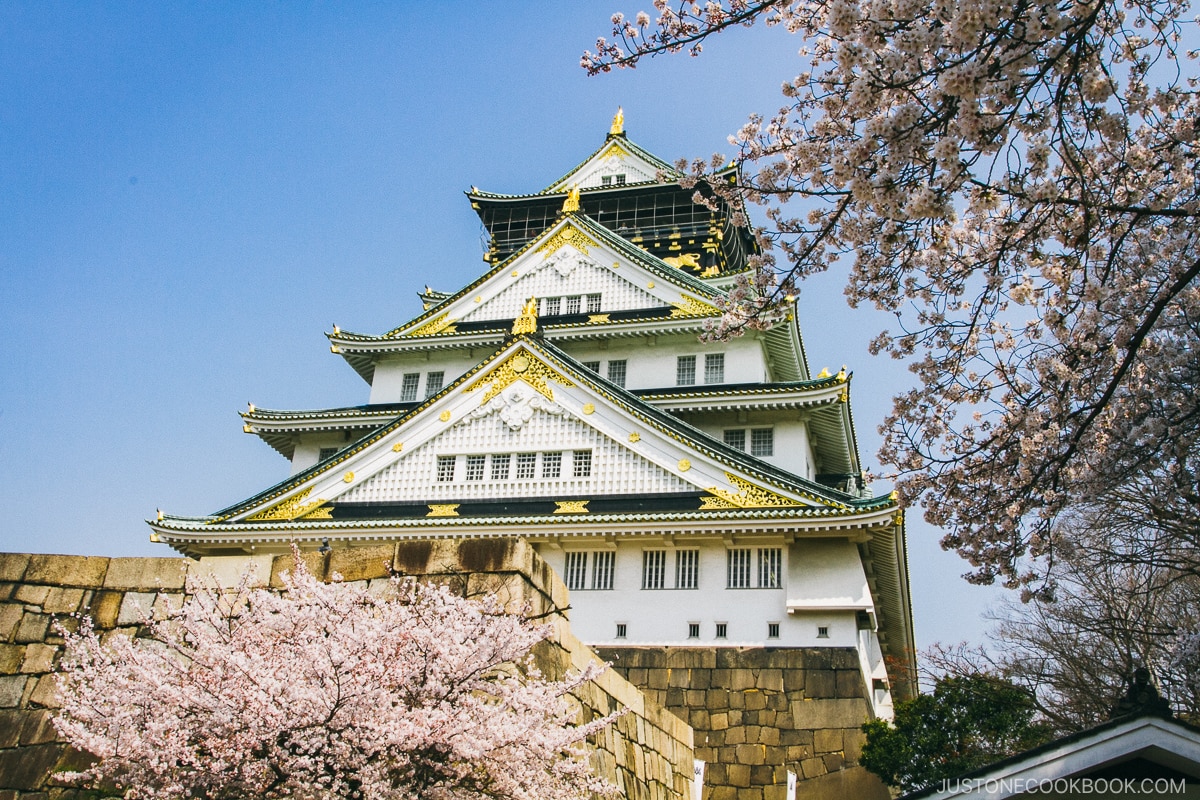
{"x":703,"y":502}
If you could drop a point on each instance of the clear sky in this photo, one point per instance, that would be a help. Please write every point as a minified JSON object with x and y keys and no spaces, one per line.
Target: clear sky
{"x":191,"y":195}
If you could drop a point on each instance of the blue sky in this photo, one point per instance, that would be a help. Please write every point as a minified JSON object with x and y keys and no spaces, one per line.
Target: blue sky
{"x":192,"y":194}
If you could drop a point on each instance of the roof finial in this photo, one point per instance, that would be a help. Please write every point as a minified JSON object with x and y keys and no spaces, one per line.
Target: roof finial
{"x":618,"y":126}
{"x":571,"y":204}
{"x":527,"y":322}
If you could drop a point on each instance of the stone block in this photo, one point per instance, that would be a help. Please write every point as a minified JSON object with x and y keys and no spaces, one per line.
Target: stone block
{"x":10,"y":615}
{"x":770,"y":680}
{"x":738,"y":774}
{"x":60,"y":600}
{"x":812,"y":767}
{"x":38,"y":658}
{"x":146,"y":573}
{"x":85,"y":571}
{"x":834,"y":713}
{"x":827,"y":741}
{"x":12,"y":566}
{"x":31,"y":594}
{"x":105,"y":608}
{"x":45,"y":694}
{"x":135,"y":606}
{"x":11,"y":656}
{"x":10,"y":727}
{"x":37,"y":727}
{"x":850,"y":683}
{"x":362,"y":563}
{"x":853,"y":740}
{"x":32,"y":628}
{"x":12,"y":689}
{"x":750,"y":754}
{"x":227,"y":571}
{"x":26,"y":768}
{"x":833,"y":761}
{"x":821,"y":683}
{"x":856,"y":783}
{"x":313,"y":561}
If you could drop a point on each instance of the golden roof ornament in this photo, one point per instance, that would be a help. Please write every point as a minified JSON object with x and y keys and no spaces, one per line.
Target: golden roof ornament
{"x":527,"y":322}
{"x":618,"y":123}
{"x":571,"y":204}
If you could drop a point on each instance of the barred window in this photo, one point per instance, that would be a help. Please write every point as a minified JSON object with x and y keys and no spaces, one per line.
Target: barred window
{"x":445,"y":468}
{"x":606,"y":180}
{"x":770,"y":564}
{"x":762,"y":442}
{"x":714,"y":368}
{"x":500,"y":466}
{"x":620,"y":179}
{"x":551,"y":465}
{"x":475,"y":466}
{"x":685,"y":370}
{"x":594,"y":366}
{"x":616,"y":372}
{"x":433,"y":383}
{"x":593,"y":304}
{"x":581,"y":463}
{"x":526,"y":465}
{"x":693,"y":630}
{"x":327,"y":452}
{"x":772,"y":630}
{"x":738,"y":568}
{"x":735,"y":437}
{"x":654,"y":564}
{"x":408,"y":387}
{"x":576,"y":571}
{"x":722,"y":630}
{"x":602,"y":569}
{"x":621,"y":628}
{"x":687,"y":569}
{"x":551,"y":306}
{"x":573,"y":304}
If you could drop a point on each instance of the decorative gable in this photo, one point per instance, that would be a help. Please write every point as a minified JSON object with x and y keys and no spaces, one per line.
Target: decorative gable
{"x":613,"y":165}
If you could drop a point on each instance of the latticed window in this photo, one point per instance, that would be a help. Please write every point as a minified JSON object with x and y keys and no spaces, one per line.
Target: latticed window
{"x":687,"y":569}
{"x":770,"y":565}
{"x":602,"y":569}
{"x":573,"y":304}
{"x":738,"y":568}
{"x":408,"y":386}
{"x":594,"y":366}
{"x":654,"y":563}
{"x":445,"y":469}
{"x":551,"y":465}
{"x":685,"y":370}
{"x":526,"y":466}
{"x":475,"y":465}
{"x":581,"y":463}
{"x":714,"y":368}
{"x":433,"y":383}
{"x":551,"y":306}
{"x":593,"y":304}
{"x":576,"y":571}
{"x":616,"y":372}
{"x":326,"y":452}
{"x":735,"y":437}
{"x":762,"y":442}
{"x":500,"y":466}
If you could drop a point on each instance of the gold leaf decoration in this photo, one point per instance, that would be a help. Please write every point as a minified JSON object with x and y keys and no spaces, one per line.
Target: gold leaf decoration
{"x":442,"y":323}
{"x":691,"y":307}
{"x":571,"y":506}
{"x":292,"y":508}
{"x":519,"y":367}
{"x":750,"y":496}
{"x":569,"y":235}
{"x":443,"y":509}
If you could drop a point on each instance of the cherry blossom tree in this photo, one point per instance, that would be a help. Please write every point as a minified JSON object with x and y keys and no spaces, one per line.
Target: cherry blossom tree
{"x":327,"y":691}
{"x":1016,"y":183}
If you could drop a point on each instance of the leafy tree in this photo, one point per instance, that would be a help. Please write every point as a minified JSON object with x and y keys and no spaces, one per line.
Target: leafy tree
{"x":967,"y":722}
{"x":1016,"y":183}
{"x":327,"y":691}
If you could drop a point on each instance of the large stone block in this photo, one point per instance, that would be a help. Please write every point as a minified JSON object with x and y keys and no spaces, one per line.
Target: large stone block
{"x":85,"y":571}
{"x":832,"y":713}
{"x":856,"y":783}
{"x":31,"y":594}
{"x":26,"y":768}
{"x":146,"y":573}
{"x":13,"y":566}
{"x":362,"y":563}
{"x":32,"y":628}
{"x":60,"y":600}
{"x":227,"y":571}
{"x":11,"y":656}
{"x":105,"y":607}
{"x":12,"y":689}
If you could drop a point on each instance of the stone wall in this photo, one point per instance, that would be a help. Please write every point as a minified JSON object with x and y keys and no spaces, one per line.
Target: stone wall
{"x":647,"y":753}
{"x":757,"y":713}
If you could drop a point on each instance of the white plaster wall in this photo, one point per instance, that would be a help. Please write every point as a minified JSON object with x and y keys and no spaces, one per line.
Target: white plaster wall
{"x":793,"y":451}
{"x":827,"y":572}
{"x":661,"y":616}
{"x":652,"y":361}
{"x":389,"y":373}
{"x":309,"y":447}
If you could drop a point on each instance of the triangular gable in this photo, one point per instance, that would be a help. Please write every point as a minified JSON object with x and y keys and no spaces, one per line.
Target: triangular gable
{"x":527,"y":398}
{"x":574,"y":257}
{"x":617,"y":156}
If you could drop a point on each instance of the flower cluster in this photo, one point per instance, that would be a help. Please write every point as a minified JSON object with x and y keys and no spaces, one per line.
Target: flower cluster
{"x":402,"y":690}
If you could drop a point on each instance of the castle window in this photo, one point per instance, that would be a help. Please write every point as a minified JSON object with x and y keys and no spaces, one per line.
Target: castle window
{"x":685,"y":370}
{"x":602,"y":570}
{"x":653,"y":568}
{"x":475,"y":466}
{"x":593,"y":304}
{"x":772,"y":630}
{"x":722,"y":630}
{"x":551,"y":306}
{"x":576,"y":570}
{"x":594,"y":366}
{"x":526,"y":466}
{"x":408,"y":387}
{"x":714,"y":368}
{"x":822,"y":631}
{"x":606,"y":180}
{"x":573,"y":304}
{"x":581,"y":463}
{"x":433,"y":383}
{"x":326,"y":452}
{"x":693,"y":630}
{"x":445,"y":468}
{"x":770,"y":562}
{"x":500,"y":466}
{"x":762,"y":442}
{"x":619,"y":179}
{"x":735,"y":437}
{"x":738,"y":568}
{"x":616,"y":372}
{"x":687,"y":569}
{"x":621,"y":628}
{"x":551,"y":465}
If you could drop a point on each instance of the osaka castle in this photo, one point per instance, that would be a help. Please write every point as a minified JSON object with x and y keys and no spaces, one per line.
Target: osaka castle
{"x":689,"y":493}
